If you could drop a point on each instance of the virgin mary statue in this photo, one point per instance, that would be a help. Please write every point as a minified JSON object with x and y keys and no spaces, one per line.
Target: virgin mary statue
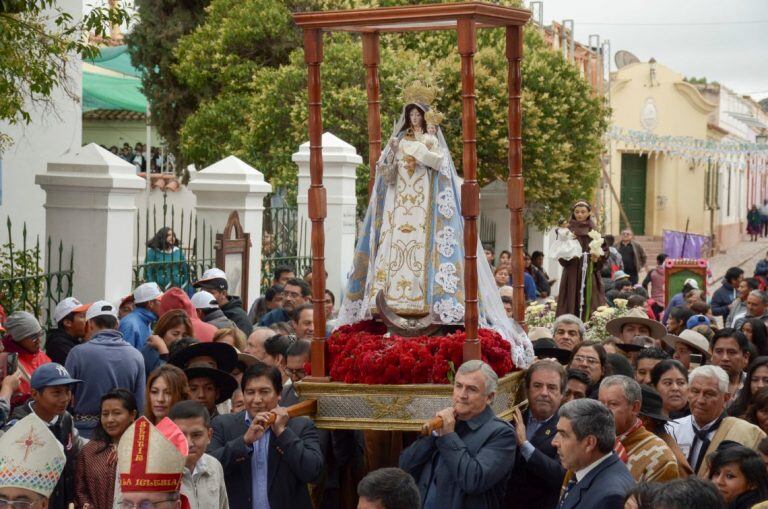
{"x":411,"y":246}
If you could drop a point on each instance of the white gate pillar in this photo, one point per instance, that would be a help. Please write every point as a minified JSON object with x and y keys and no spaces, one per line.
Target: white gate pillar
{"x":340,"y":162}
{"x":228,"y":185}
{"x":91,"y":204}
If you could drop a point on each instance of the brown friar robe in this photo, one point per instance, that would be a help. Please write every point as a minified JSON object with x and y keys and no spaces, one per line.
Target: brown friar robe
{"x":569,"y":295}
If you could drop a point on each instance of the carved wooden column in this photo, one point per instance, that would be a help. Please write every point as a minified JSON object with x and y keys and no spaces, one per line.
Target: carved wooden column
{"x":371,"y":58}
{"x":516,"y":195}
{"x":313,"y":56}
{"x":470,"y":191}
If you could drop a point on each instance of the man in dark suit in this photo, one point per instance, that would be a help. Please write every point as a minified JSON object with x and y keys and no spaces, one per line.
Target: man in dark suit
{"x":266,"y":464}
{"x":596,"y":477}
{"x":537,"y":475}
{"x":464,"y":464}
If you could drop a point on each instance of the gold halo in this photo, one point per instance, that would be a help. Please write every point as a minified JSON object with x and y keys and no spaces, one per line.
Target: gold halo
{"x":433,"y":117}
{"x":419,"y":93}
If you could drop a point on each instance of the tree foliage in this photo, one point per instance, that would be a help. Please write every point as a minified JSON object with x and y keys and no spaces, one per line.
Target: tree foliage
{"x":161,"y":23}
{"x":263,"y":119}
{"x":38,"y":40}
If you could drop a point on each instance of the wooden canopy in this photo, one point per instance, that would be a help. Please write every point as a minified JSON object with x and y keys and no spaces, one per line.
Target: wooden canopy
{"x":465,"y":18}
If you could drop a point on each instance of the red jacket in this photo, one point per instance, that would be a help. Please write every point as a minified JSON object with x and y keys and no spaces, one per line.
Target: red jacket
{"x":28,"y":363}
{"x":176,"y":298}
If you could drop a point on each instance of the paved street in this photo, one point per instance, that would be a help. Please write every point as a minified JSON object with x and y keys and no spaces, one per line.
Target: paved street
{"x":744,"y":255}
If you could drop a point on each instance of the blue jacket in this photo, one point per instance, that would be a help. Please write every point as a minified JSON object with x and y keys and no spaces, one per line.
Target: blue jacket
{"x":135,"y":327}
{"x":762,"y":268}
{"x":104,"y":363}
{"x":529,"y":284}
{"x":152,"y":359}
{"x":275,"y":316}
{"x":721,"y":299}
{"x":602,"y":488}
{"x":676,"y":301}
{"x":469,"y":467}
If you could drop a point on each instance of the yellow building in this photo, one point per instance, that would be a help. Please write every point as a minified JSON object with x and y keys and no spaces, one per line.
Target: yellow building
{"x":658,"y":189}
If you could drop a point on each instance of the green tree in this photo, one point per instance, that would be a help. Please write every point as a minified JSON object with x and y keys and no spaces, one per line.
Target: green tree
{"x":263,"y":120}
{"x":160,"y":25}
{"x":37,"y":42}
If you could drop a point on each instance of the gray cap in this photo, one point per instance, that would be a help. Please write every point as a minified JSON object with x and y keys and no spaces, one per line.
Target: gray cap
{"x":21,"y":325}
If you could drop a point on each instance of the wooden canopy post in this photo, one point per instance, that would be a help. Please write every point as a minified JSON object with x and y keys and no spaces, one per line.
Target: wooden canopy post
{"x":470,"y":191}
{"x":515,"y":188}
{"x":371,"y":58}
{"x":313,"y":56}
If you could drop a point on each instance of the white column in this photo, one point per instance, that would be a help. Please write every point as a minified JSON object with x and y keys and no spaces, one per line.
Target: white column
{"x":228,"y":185}
{"x":340,"y":162}
{"x":91,"y":205}
{"x":493,"y":207}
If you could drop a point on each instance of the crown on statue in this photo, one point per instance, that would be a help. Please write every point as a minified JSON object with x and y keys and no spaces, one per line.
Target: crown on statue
{"x":433,"y":117}
{"x":420,"y":93}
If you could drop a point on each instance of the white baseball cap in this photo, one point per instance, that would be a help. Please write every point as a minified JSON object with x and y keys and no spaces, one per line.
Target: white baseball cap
{"x":101,"y":308}
{"x":67,"y":306}
{"x":204,"y":300}
{"x":147,"y":292}
{"x":692,"y":283}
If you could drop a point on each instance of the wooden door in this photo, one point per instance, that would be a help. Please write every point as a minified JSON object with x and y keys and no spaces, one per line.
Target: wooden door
{"x":633,"y":178}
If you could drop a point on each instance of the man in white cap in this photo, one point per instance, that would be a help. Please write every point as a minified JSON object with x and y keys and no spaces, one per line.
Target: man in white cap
{"x":104,"y":362}
{"x":69,"y":316}
{"x":150,"y":463}
{"x":208,"y":310}
{"x":215,"y":282}
{"x":136,"y":324}
{"x":31,"y":463}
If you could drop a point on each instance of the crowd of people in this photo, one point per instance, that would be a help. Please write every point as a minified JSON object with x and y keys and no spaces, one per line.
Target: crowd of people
{"x":166,"y":400}
{"x":160,"y":162}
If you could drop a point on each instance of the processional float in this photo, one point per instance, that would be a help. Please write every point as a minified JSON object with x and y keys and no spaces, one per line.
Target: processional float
{"x":408,"y":407}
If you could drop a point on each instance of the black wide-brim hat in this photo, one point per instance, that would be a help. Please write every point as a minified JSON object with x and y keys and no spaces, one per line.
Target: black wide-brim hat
{"x":225,"y":382}
{"x":225,"y":355}
{"x":561,"y":355}
{"x":652,"y":404}
{"x":629,"y":347}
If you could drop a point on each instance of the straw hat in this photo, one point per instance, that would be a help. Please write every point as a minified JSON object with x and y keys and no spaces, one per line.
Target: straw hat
{"x":636,"y":315}
{"x":536,"y":333}
{"x":31,"y":458}
{"x":692,"y":339}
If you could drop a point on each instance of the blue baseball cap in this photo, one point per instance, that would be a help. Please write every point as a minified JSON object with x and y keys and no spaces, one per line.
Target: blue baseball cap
{"x":50,"y":375}
{"x":696,"y":320}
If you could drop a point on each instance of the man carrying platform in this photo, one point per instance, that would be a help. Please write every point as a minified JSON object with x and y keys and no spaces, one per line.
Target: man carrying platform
{"x":465,"y":464}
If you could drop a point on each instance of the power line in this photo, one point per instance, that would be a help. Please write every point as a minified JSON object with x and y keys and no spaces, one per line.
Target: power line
{"x":682,"y":23}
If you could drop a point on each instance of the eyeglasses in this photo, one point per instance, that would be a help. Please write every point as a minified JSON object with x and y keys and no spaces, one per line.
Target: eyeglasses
{"x":17,"y":504}
{"x":144,"y":504}
{"x":592,"y":361}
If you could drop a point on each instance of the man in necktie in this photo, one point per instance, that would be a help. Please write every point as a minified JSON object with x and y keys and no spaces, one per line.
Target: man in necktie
{"x":465,"y":464}
{"x":700,"y":433}
{"x":596,"y":478}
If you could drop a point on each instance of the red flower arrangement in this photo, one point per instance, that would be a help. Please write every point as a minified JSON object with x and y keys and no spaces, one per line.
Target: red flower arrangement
{"x":360,"y":353}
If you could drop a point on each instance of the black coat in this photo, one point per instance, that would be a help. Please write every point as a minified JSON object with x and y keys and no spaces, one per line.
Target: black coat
{"x":294,"y":460}
{"x":58,"y":344}
{"x":536,"y":482}
{"x":604,"y":487}
{"x":233,"y":310}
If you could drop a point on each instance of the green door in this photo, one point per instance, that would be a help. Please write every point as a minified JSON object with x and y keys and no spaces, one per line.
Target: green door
{"x":633,"y":171}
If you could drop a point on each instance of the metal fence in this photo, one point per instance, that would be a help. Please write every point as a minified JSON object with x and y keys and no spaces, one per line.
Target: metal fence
{"x":178,"y":267}
{"x":487,"y":233}
{"x":285,"y":243}
{"x":25,"y":285}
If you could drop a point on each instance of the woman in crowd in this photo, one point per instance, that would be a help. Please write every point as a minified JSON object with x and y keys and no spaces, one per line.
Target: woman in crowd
{"x":670,"y":379}
{"x":276,"y":348}
{"x":233,"y":337}
{"x":164,"y":262}
{"x":97,"y":462}
{"x":757,"y":334}
{"x":641,"y":496}
{"x":590,"y":357}
{"x":757,"y":412}
{"x":166,"y":386}
{"x":170,"y":328}
{"x":739,"y":474}
{"x":756,"y":379}
{"x":678,"y":317}
{"x":501,"y":275}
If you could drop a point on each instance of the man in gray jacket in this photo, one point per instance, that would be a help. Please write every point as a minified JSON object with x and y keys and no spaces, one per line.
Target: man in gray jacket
{"x":208,"y":310}
{"x":466,"y":463}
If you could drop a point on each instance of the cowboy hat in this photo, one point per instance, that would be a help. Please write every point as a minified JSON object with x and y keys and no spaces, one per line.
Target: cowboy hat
{"x":536,"y":333}
{"x":225,"y":355}
{"x":690,"y":338}
{"x":652,"y":404}
{"x":636,"y":315}
{"x":545,"y":348}
{"x":225,"y":382}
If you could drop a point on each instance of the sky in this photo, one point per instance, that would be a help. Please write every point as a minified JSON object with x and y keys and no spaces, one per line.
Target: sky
{"x":724,"y":41}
